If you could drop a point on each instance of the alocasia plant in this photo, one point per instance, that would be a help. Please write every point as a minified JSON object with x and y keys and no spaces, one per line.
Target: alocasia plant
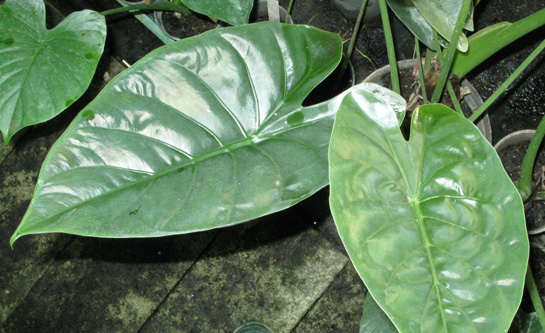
{"x":433,"y":225}
{"x":202,"y":133}
{"x":43,"y":71}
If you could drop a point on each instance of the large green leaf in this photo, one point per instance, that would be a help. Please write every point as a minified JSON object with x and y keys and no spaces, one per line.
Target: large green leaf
{"x":43,"y":71}
{"x":434,"y":226}
{"x":442,"y":16}
{"x":234,"y":12}
{"x":202,"y":133}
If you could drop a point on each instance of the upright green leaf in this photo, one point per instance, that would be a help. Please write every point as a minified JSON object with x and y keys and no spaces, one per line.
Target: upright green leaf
{"x":234,"y":12}
{"x":434,"y":226}
{"x":202,"y":133}
{"x":407,"y":13}
{"x":422,"y":17}
{"x":442,"y":16}
{"x":43,"y":71}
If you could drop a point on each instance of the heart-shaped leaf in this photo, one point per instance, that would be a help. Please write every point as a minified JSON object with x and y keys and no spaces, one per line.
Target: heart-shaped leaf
{"x":234,"y":12}
{"x":43,"y":71}
{"x":201,"y":133}
{"x":434,"y":226}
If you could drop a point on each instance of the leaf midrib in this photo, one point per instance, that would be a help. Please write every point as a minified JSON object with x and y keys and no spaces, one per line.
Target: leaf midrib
{"x":415,"y":205}
{"x":245,"y":142}
{"x":31,"y":63}
{"x":424,"y":234}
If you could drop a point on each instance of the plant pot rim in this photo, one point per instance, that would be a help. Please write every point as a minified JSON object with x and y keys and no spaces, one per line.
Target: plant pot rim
{"x":516,"y":138}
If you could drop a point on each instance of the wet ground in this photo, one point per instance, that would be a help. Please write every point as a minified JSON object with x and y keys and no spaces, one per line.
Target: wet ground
{"x":288,"y":270}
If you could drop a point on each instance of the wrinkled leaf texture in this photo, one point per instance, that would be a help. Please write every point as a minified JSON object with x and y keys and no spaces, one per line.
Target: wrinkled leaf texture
{"x":234,"y":12}
{"x":202,"y":133}
{"x":43,"y":71}
{"x":434,"y":226}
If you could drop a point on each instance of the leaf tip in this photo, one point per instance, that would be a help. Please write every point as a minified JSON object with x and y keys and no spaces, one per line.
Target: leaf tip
{"x":13,"y":239}
{"x":7,"y":137}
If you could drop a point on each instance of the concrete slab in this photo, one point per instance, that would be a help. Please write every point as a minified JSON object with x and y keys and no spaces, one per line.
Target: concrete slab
{"x":271,"y":272}
{"x":106,"y":285}
{"x":340,"y":307}
{"x":19,"y":167}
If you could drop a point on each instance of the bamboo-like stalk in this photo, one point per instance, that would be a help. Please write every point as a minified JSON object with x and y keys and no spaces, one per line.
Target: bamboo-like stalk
{"x":451,"y":51}
{"x":162,"y":5}
{"x":534,"y":296}
{"x":508,"y":82}
{"x":390,"y":48}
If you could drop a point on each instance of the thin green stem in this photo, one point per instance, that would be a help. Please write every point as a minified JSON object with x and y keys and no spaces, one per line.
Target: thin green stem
{"x":366,"y":58}
{"x":450,"y":88}
{"x":438,"y":50}
{"x":430,"y":54}
{"x":508,"y":82}
{"x":527,"y":167}
{"x":289,"y":11}
{"x":454,"y":99}
{"x":451,"y":51}
{"x":536,"y":299}
{"x":390,"y":48}
{"x":355,"y":33}
{"x":151,"y":25}
{"x":162,"y":5}
{"x":344,"y":65}
{"x":420,"y":70}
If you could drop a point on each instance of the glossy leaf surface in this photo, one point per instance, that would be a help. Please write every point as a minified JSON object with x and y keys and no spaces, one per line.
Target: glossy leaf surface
{"x":434,"y":226}
{"x":423,"y":16}
{"x":43,"y":71}
{"x":407,"y":13}
{"x":442,"y":16}
{"x":202,"y":133}
{"x":234,"y":12}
